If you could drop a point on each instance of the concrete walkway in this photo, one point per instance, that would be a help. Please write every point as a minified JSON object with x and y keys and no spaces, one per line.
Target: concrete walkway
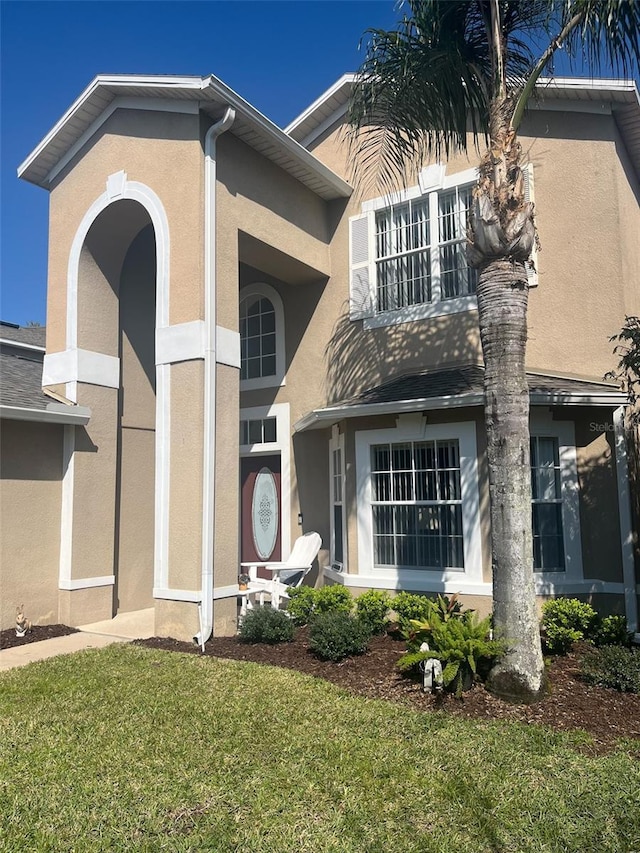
{"x":123,"y":628}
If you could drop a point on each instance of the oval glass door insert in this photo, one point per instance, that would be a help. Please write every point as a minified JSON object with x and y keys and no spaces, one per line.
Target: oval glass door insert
{"x":264,"y":513}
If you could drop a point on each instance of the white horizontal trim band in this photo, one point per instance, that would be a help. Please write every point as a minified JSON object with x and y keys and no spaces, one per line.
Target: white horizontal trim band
{"x":227,"y":347}
{"x":178,"y":594}
{"x":451,"y":586}
{"x":230,"y":591}
{"x":80,"y":365}
{"x":180,"y":342}
{"x":86,"y":583}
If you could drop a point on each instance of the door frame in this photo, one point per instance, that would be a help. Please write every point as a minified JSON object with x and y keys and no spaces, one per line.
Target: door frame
{"x":281,"y":447}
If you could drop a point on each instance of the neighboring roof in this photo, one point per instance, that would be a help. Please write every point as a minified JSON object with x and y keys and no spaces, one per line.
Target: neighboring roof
{"x":33,"y":336}
{"x":621,"y":94}
{"x":21,"y":394}
{"x":458,"y":387}
{"x":209,"y":94}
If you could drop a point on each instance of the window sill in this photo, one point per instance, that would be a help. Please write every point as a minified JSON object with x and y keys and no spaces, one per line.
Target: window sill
{"x":422,"y":312}
{"x":262,"y":382}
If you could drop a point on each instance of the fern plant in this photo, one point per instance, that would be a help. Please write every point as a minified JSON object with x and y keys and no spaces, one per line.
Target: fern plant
{"x":463,"y":646}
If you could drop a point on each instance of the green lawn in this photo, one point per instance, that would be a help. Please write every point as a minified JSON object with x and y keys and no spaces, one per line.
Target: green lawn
{"x":128,"y":749}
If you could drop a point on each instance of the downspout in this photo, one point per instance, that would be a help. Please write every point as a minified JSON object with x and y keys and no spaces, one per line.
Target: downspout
{"x":209,"y":452}
{"x":624,"y":513}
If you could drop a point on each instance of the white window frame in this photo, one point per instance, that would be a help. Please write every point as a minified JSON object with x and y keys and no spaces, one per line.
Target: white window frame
{"x":542,"y":425}
{"x":432,"y":182}
{"x":279,"y":377}
{"x":337,"y":444}
{"x":414,"y":428}
{"x":281,"y":446}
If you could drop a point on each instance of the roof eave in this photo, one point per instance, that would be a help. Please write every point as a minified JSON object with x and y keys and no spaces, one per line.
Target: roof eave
{"x":54,"y":414}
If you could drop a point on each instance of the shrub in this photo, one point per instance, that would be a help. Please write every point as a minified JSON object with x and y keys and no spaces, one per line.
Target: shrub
{"x":613,"y":666}
{"x":612,"y":631}
{"x":334,"y":636}
{"x":333,"y":599}
{"x":463,"y":646}
{"x":372,"y":608}
{"x":302,"y":602}
{"x":408,"y":606}
{"x":565,"y":621}
{"x":266,"y":625}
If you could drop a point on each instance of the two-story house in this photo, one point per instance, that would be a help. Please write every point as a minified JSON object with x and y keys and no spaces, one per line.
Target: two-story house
{"x":264,"y":351}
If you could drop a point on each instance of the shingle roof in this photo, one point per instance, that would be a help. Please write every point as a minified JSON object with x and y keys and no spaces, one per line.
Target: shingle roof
{"x":33,"y":335}
{"x":21,"y":381}
{"x":466,"y":380}
{"x":457,"y":387}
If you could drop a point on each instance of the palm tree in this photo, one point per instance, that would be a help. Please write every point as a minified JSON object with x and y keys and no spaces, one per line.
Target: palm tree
{"x":455,"y":66}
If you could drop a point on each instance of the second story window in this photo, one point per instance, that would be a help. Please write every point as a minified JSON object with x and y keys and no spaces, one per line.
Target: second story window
{"x":262,"y":351}
{"x":420,"y":251}
{"x":408,"y":252}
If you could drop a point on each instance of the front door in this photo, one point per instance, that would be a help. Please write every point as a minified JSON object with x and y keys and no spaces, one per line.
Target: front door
{"x":261,"y":510}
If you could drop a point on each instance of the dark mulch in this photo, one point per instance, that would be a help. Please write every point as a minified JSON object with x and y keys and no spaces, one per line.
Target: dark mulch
{"x":571,"y":704}
{"x":8,"y":637}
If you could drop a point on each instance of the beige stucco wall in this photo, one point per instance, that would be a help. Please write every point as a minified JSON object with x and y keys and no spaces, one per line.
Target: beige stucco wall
{"x":586,"y":195}
{"x":30,"y":501}
{"x":159,"y":149}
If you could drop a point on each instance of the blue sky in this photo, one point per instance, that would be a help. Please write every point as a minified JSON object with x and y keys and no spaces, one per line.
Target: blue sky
{"x":278,"y":55}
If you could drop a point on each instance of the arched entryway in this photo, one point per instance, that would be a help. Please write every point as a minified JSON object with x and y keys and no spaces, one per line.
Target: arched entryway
{"x":116,"y":316}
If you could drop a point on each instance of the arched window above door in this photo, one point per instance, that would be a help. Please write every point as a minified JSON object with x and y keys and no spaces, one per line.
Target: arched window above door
{"x":262,"y":353}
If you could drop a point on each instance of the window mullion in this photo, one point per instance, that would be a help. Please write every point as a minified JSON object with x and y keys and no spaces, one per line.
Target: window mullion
{"x":434,"y":228}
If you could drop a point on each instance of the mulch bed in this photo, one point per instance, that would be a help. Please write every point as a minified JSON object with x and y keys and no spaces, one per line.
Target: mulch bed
{"x":571,"y":704}
{"x":36,"y":633}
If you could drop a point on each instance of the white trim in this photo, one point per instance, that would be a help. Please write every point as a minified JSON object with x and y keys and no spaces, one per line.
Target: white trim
{"x":420,"y":430}
{"x":20,"y":345}
{"x":230,"y":591}
{"x":282,"y":445}
{"x":194,"y":596}
{"x":180,"y":342}
{"x":227,"y":347}
{"x":53,"y":414}
{"x":626,"y":524}
{"x":80,"y":365}
{"x":423,"y":311}
{"x":433,"y":181}
{"x":330,"y":92}
{"x":337,"y":443}
{"x":119,"y":103}
{"x":279,"y":377}
{"x":406,"y":580}
{"x":162,"y":477}
{"x":66,"y":510}
{"x":318,"y":418}
{"x":87,"y":583}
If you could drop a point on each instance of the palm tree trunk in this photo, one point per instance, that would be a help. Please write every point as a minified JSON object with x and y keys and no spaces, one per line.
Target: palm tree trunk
{"x":502,"y":310}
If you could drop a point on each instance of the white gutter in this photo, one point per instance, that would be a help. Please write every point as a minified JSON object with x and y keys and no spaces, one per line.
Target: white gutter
{"x":209,"y":451}
{"x":78,"y":415}
{"x":626,"y":527}
{"x":20,"y":345}
{"x":319,"y":418}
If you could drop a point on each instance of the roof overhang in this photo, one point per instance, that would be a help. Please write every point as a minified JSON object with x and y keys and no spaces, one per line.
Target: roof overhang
{"x":619,"y":97}
{"x":181,"y":94}
{"x":325,"y":417}
{"x":54,"y":413}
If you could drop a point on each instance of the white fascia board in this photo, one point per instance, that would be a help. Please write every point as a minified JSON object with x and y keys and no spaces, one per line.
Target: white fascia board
{"x":124,"y":81}
{"x":330,"y":92}
{"x":321,"y":418}
{"x":279,"y":137}
{"x":19,"y":345}
{"x":53,"y":414}
{"x":587,"y":84}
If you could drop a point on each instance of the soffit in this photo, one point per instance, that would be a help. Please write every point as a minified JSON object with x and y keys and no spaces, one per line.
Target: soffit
{"x":206,"y":93}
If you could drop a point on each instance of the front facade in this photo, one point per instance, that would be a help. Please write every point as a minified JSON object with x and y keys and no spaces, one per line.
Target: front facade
{"x":265,"y":351}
